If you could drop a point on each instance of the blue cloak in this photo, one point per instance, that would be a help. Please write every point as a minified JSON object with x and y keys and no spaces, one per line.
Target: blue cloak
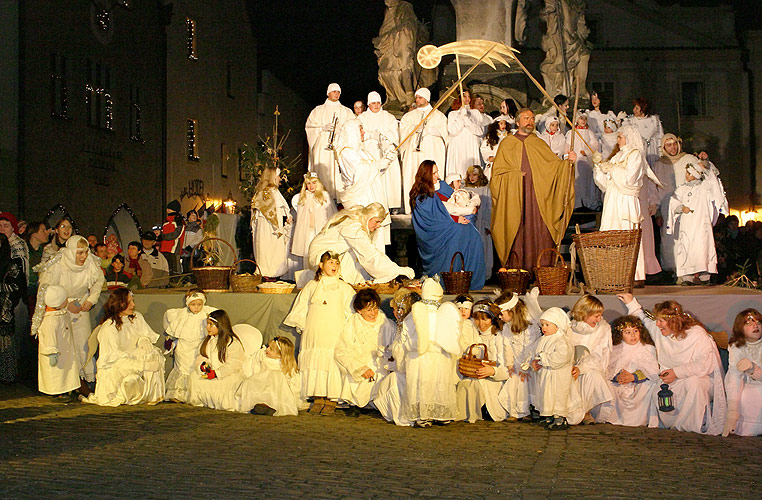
{"x":439,"y":237}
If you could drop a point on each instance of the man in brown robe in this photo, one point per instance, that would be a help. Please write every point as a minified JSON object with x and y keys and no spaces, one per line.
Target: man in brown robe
{"x":532,"y":195}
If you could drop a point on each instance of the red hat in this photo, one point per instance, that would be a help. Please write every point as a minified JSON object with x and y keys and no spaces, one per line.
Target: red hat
{"x":12,"y":219}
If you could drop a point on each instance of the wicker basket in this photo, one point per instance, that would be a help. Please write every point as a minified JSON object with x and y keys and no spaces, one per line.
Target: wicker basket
{"x":380,"y":288}
{"x":245,"y":283}
{"x":608,"y":259}
{"x":278,"y":290}
{"x":515,"y":279}
{"x":552,"y":279}
{"x":469,"y":363}
{"x":457,"y":282}
{"x":213,"y":278}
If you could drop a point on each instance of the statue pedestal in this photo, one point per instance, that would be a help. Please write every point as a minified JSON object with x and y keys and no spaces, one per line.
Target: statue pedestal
{"x":494,"y":85}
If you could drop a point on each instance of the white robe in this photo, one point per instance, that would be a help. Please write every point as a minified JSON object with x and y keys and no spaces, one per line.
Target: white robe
{"x":585,"y":191}
{"x":483,"y":224}
{"x":311,"y":216}
{"x":694,"y":250}
{"x":319,"y":312}
{"x":651,"y":130}
{"x":322,"y":160}
{"x":361,"y":346}
{"x":515,"y":396}
{"x":470,"y":398}
{"x":608,"y":141}
{"x":632,"y":401}
{"x":55,"y":337}
{"x":745,"y":389}
{"x":384,"y":124}
{"x":433,"y":146}
{"x":488,"y":152}
{"x":271,"y":243}
{"x":361,"y":260}
{"x":465,"y":129}
{"x":130,"y":367}
{"x":189,"y":331}
{"x":595,"y":120}
{"x":268,"y":385}
{"x":220,"y":392}
{"x":390,"y":398}
{"x":591,"y":385}
{"x":554,"y":379}
{"x":556,"y":142}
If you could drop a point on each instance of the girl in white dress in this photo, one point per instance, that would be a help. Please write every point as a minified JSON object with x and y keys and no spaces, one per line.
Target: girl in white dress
{"x":185,"y":329}
{"x":58,"y":366}
{"x":478,"y":183}
{"x":469,"y":401}
{"x":130,"y":367}
{"x":744,"y":378}
{"x":590,"y":335}
{"x":274,"y":385}
{"x":313,"y":209}
{"x":553,"y":363}
{"x":586,"y":192}
{"x":318,"y":314}
{"x":608,"y":138}
{"x":632,"y":372}
{"x":496,"y":132}
{"x":553,"y":137}
{"x":270,"y":225}
{"x":218,"y":368}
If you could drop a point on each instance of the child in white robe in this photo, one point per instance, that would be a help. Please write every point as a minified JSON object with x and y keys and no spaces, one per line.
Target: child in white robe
{"x":361,"y":348}
{"x":608,"y":138}
{"x":313,"y":209}
{"x":318,"y":314}
{"x":590,"y":335}
{"x":632,"y":372}
{"x":553,"y":138}
{"x":690,"y":366}
{"x":274,"y":385}
{"x":744,"y":378}
{"x":467,"y":336}
{"x":520,"y":336}
{"x":553,"y":363}
{"x":693,"y":206}
{"x":57,"y":365}
{"x":586,"y":192}
{"x":477,"y":183}
{"x":218,"y":368}
{"x":130,"y":368}
{"x":270,"y":225}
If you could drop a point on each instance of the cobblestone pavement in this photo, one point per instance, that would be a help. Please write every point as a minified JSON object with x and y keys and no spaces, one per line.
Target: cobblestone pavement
{"x":57,"y":449}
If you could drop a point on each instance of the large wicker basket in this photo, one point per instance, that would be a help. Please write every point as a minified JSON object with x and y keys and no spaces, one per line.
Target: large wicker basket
{"x":469,"y":362}
{"x":245,"y":283}
{"x":457,"y":282}
{"x":514,"y":279}
{"x":608,"y":259}
{"x":213,"y":278}
{"x":552,"y":279}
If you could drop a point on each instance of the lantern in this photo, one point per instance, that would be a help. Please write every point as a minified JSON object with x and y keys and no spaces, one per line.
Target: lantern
{"x":665,"y":399}
{"x":229,"y":204}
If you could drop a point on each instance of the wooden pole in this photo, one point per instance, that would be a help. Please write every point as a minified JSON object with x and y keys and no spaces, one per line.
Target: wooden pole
{"x":573,"y":164}
{"x":460,"y":85}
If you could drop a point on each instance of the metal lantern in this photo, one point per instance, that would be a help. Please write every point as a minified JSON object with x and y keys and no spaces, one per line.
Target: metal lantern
{"x":665,"y":399}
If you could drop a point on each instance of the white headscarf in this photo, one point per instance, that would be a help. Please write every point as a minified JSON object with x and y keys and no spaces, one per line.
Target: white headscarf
{"x":70,"y":253}
{"x":634,"y":139}
{"x":196,"y":296}
{"x":558,"y":317}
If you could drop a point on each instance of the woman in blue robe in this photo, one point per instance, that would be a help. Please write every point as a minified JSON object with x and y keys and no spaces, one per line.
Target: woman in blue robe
{"x":437,"y":234}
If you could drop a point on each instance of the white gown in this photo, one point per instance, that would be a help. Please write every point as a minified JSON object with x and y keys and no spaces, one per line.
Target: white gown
{"x":384,"y":124}
{"x":694,"y":249}
{"x":554,"y":379}
{"x":311,"y":216}
{"x":651,"y":130}
{"x":595,"y":120}
{"x":319,"y":312}
{"x":130,"y":367}
{"x":483,"y":224}
{"x":220,"y":392}
{"x":271,"y":243}
{"x":433,"y":146}
{"x":189,"y":330}
{"x":591,"y":385}
{"x":390,"y":397}
{"x":746,"y":388}
{"x":632,"y":401}
{"x":585,"y":191}
{"x":268,"y":385}
{"x":322,"y":160}
{"x":55,"y":337}
{"x":516,"y":396}
{"x":470,"y":400}
{"x":556,"y":142}
{"x":465,"y":130}
{"x":488,"y":152}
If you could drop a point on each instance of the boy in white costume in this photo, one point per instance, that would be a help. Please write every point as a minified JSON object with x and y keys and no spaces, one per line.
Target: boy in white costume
{"x":429,"y":342}
{"x":553,"y":137}
{"x":58,"y":365}
{"x":381,"y":130}
{"x":744,"y":378}
{"x":553,"y":363}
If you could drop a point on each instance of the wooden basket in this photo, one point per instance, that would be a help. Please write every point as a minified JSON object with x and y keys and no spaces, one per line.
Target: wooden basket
{"x":245,"y":283}
{"x":514,"y":280}
{"x":469,"y":363}
{"x":552,"y":279}
{"x":609,"y":259}
{"x":212,"y":278}
{"x":457,"y":282}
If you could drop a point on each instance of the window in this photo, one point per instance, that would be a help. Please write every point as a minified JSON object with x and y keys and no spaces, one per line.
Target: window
{"x":190,"y":38}
{"x":98,"y":100}
{"x":606,"y":94}
{"x":136,"y":117}
{"x":692,"y":99}
{"x":229,"y":80}
{"x":59,"y":91}
{"x":192,"y":142}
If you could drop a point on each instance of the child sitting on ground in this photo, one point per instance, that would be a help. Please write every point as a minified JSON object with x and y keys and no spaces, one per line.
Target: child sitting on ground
{"x":274,"y":386}
{"x":743,"y":381}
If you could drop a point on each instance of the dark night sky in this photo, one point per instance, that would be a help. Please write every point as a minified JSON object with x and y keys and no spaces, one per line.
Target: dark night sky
{"x":310,"y":43}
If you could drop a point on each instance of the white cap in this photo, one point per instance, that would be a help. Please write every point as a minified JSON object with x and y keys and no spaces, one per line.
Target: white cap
{"x":374,"y":97}
{"x":431,"y":290}
{"x":332,"y":87}
{"x":551,"y":119}
{"x":425,"y":93}
{"x":558,"y":317}
{"x":55,"y":296}
{"x":453,"y":177}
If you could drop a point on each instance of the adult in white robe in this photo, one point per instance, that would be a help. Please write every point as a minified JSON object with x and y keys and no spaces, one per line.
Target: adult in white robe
{"x":586,"y":193}
{"x":58,"y":365}
{"x":349,"y":233}
{"x":271,"y":231}
{"x":79,"y":272}
{"x":650,"y":129}
{"x":591,"y":384}
{"x":381,"y":131}
{"x":324,"y":122}
{"x":220,"y":392}
{"x":632,"y":400}
{"x":698,"y":391}
{"x":743,"y":381}
{"x":429,"y":142}
{"x":465,"y":128}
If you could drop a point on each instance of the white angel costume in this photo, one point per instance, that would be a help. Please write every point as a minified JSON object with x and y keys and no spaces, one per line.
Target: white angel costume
{"x":319,"y":313}
{"x":596,"y":119}
{"x":556,"y":355}
{"x":515,"y":395}
{"x":744,"y":388}
{"x":58,"y":364}
{"x":130,"y":366}
{"x":267,"y":384}
{"x":555,"y":141}
{"x":466,"y":129}
{"x":311,"y":216}
{"x":381,"y":131}
{"x":271,"y":231}
{"x":632,"y":401}
{"x":220,"y":392}
{"x":470,"y":399}
{"x":591,"y":386}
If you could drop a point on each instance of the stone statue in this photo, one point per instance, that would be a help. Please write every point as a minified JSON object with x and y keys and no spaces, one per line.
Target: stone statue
{"x":488,"y":20}
{"x":567,"y":52}
{"x":398,"y":40}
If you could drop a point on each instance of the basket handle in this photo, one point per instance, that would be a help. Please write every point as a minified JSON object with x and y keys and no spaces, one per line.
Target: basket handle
{"x":510,"y":255}
{"x":210,"y":239}
{"x":462,"y":262}
{"x":235,"y":266}
{"x":558,"y":257}
{"x":485,"y":355}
